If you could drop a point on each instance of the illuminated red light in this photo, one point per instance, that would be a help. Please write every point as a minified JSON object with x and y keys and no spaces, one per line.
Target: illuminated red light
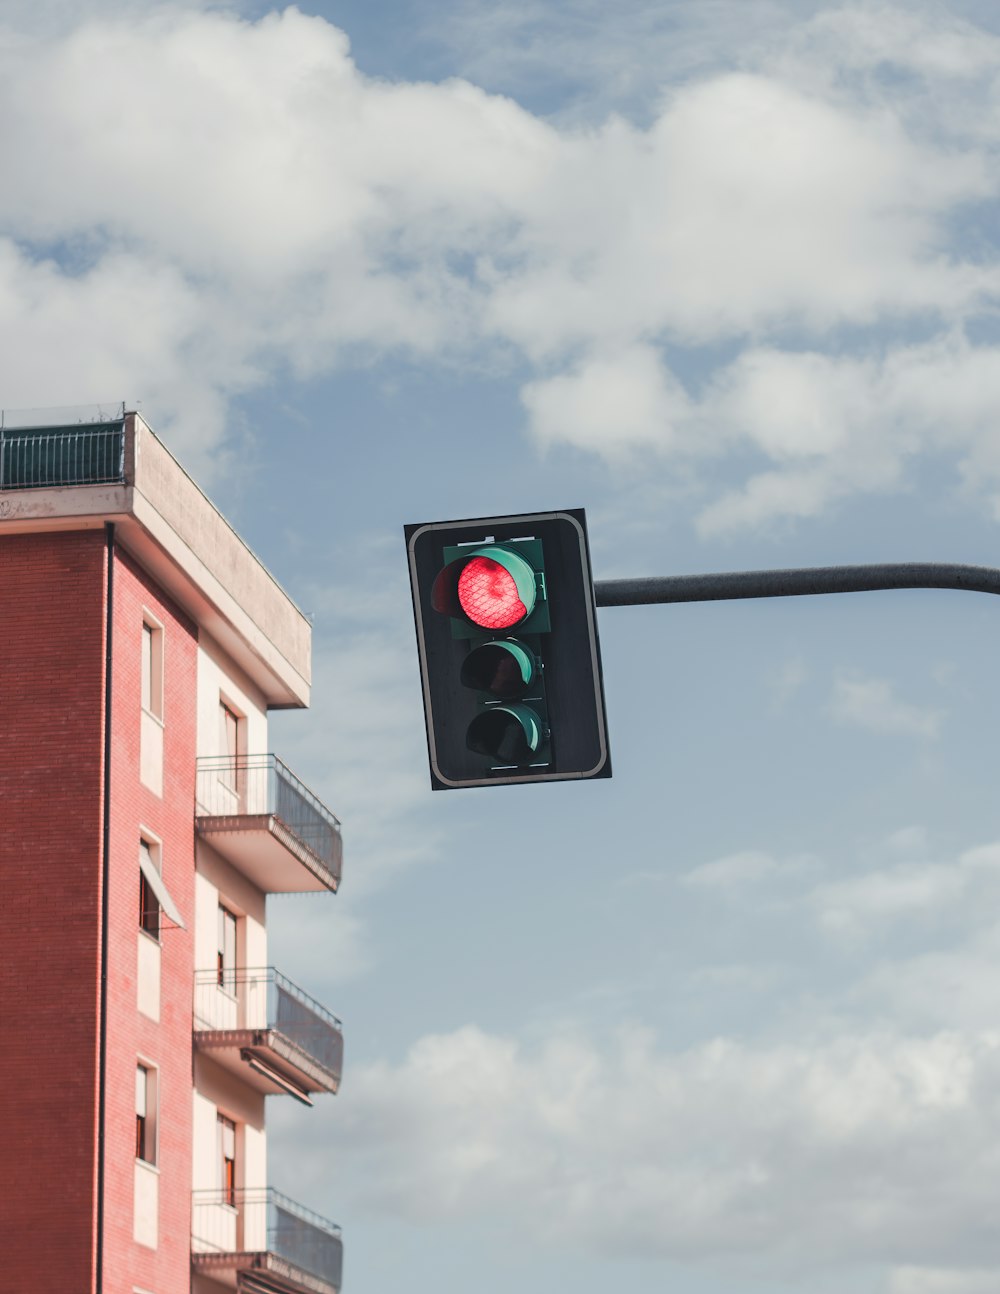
{"x":487,"y":593}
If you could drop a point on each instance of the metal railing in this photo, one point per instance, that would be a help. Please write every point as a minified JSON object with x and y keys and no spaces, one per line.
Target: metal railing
{"x":264,"y":999}
{"x":262,"y":784}
{"x":91,"y":454}
{"x":248,"y":1221}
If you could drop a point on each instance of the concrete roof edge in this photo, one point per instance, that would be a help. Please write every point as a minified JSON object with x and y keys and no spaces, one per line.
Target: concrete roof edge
{"x":231,"y":592}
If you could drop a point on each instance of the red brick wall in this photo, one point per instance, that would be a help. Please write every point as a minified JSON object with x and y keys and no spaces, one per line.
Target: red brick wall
{"x":52,"y":614}
{"x":131,"y":1035}
{"x":51,"y":700}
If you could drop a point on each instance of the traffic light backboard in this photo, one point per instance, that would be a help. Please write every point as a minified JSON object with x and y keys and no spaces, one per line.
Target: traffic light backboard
{"x":509,"y":653}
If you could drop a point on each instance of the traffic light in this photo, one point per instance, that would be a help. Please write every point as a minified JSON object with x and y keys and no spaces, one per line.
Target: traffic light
{"x":509,"y":654}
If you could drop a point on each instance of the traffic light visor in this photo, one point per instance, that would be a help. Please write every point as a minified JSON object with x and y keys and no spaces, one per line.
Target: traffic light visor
{"x":492,"y":587}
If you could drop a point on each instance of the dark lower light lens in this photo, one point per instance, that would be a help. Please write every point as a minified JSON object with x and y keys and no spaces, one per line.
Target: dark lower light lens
{"x":508,"y":734}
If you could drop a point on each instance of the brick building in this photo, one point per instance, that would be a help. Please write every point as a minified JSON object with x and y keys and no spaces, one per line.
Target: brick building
{"x":142,"y":826}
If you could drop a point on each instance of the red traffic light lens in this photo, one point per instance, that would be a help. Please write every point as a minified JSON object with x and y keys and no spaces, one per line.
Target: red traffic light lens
{"x":493,"y":587}
{"x":487,"y":593}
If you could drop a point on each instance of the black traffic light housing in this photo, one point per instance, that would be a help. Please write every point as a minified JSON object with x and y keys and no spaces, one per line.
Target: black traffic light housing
{"x":509,"y":653}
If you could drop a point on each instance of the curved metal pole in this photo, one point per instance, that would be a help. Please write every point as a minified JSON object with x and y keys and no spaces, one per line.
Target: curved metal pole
{"x":796,"y":582}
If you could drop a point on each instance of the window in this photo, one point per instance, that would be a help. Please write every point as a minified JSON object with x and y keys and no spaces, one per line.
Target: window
{"x":152,"y":668}
{"x":227,"y":1159}
{"x":227,"y":949}
{"x":151,"y":704}
{"x":229,"y":732}
{"x":149,"y":903}
{"x":154,"y":898}
{"x":145,"y":1113}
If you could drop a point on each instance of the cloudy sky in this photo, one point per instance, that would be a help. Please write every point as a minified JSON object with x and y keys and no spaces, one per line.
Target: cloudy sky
{"x":726,"y":273}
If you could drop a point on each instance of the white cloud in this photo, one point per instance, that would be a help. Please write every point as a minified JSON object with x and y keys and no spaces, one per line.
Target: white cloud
{"x":833,"y":426}
{"x":768,"y":496}
{"x":252,"y":202}
{"x":130,"y":328}
{"x":871,"y":1148}
{"x":626,"y":400}
{"x":907,"y":890}
{"x":954,"y":987}
{"x":255,"y":203}
{"x":872,"y":703}
{"x":922,"y":1280}
{"x":748,"y":867}
{"x":907,"y":840}
{"x":827,"y":426}
{"x":965,"y":889}
{"x":953,"y":900}
{"x":783,"y":404}
{"x":529,"y":45}
{"x":747,"y":204}
{"x":940,"y":65}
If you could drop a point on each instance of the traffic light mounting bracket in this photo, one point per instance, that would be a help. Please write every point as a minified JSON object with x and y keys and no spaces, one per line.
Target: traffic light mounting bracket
{"x":716,"y":586}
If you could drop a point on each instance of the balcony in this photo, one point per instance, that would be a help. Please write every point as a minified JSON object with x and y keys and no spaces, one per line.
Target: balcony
{"x":80,"y":454}
{"x":263,"y":1028}
{"x":265,"y":1242}
{"x":268,"y":824}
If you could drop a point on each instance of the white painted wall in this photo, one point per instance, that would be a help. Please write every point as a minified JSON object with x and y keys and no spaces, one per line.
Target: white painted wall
{"x":151,"y":751}
{"x":217,"y":881}
{"x":148,"y":975}
{"x":219,"y":678}
{"x":218,"y":1092}
{"x":146,"y":1202}
{"x":204,"y":1172}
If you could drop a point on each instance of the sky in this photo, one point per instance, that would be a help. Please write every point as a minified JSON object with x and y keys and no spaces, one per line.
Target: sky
{"x":726,"y":274}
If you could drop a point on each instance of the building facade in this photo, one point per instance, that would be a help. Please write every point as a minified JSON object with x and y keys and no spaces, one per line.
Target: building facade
{"x":143,"y":823}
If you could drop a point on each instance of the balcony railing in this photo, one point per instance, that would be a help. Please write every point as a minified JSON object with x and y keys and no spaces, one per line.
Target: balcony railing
{"x":263,"y":1002}
{"x":254,"y":786}
{"x":90,"y":454}
{"x":264,"y":1230}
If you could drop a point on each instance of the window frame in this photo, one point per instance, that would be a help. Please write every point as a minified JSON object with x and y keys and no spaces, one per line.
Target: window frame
{"x":156,"y":886}
{"x":226,"y":1165}
{"x":230,"y":774}
{"x":151,"y":666}
{"x":147,"y":1119}
{"x":227,"y":935}
{"x":149,"y":902}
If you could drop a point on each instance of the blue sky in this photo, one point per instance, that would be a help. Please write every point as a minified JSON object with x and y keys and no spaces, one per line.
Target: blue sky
{"x":726,"y":274}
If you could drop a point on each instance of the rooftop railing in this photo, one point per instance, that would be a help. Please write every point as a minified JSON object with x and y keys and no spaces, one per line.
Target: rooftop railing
{"x":262,"y":784}
{"x":89,"y":454}
{"x":265,"y":999}
{"x":248,"y":1221}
